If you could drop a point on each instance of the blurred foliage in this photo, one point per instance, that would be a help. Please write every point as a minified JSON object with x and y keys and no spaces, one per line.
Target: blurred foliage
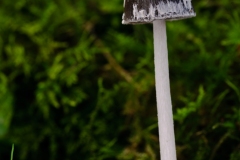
{"x":77,"y":84}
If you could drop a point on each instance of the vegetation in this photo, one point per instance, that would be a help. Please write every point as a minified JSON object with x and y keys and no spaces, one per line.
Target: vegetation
{"x":77,"y":84}
{"x":12,"y":152}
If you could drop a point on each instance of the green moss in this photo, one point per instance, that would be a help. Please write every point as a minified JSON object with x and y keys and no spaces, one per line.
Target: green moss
{"x":77,"y":84}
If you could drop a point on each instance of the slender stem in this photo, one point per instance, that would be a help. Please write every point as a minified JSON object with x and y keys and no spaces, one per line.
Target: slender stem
{"x":164,"y":105}
{"x":12,"y":151}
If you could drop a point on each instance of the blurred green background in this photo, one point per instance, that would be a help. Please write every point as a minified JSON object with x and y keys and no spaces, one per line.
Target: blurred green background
{"x":76,"y":84}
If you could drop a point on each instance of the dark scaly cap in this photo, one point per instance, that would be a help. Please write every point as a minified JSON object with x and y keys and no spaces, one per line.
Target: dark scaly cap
{"x":146,"y":11}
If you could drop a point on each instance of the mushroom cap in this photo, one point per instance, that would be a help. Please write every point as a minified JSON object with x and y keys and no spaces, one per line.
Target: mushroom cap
{"x":146,"y":11}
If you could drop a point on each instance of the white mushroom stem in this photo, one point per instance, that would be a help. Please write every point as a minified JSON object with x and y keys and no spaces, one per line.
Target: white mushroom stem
{"x":164,"y":105}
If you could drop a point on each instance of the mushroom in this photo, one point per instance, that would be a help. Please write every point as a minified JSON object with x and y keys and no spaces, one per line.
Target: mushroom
{"x":157,"y":12}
